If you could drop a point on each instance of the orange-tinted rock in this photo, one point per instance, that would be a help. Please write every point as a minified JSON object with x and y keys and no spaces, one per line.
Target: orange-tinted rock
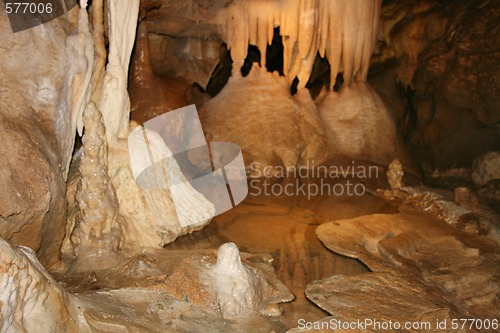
{"x":150,"y":94}
{"x":272,"y":127}
{"x":36,"y":135}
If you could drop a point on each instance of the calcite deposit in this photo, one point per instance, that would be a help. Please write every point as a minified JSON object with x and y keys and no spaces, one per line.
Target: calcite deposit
{"x":107,"y":225}
{"x":36,"y":130}
{"x":273,"y":128}
{"x":31,"y":300}
{"x":97,"y":223}
{"x":227,"y":286}
{"x":359,"y":125}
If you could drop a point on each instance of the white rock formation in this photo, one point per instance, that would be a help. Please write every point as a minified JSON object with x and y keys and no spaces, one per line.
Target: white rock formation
{"x":115,"y":210}
{"x":342,"y":30}
{"x":236,"y":286}
{"x":115,"y":103}
{"x":98,"y":222}
{"x":151,"y":218}
{"x":30,"y":299}
{"x":83,"y":50}
{"x":228,"y":286}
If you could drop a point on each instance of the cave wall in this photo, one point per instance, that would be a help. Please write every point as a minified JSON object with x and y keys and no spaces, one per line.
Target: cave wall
{"x":435,"y":64}
{"x":442,"y":60}
{"x":36,"y":133}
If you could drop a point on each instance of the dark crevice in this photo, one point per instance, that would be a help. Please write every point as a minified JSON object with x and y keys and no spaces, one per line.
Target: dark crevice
{"x":274,"y":56}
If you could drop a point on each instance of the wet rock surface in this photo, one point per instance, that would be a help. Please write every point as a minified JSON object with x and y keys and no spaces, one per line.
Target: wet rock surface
{"x":425,"y":270}
{"x":150,"y":94}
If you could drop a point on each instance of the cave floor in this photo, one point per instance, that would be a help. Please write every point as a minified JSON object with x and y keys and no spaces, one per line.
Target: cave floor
{"x":285,"y":228}
{"x":278,"y":225}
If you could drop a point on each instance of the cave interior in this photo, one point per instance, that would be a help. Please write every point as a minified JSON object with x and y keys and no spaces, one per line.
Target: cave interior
{"x":250,"y":166}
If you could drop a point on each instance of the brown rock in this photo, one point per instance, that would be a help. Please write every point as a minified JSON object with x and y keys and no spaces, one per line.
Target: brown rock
{"x":358,"y":125}
{"x":150,"y":94}
{"x":423,"y":271}
{"x":36,"y":135}
{"x":457,"y":88}
{"x":258,"y":113}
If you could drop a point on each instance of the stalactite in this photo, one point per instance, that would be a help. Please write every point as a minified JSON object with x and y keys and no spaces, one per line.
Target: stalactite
{"x":100,"y":49}
{"x":82,"y":67}
{"x":343,"y":31}
{"x":115,"y":103}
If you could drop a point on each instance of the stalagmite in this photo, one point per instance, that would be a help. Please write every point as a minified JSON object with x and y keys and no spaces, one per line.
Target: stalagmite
{"x":230,"y":285}
{"x":98,"y":226}
{"x":236,"y":285}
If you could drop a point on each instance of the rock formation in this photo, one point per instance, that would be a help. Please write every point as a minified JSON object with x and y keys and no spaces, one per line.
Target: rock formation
{"x":227,"y":287}
{"x":258,"y":113}
{"x":37,"y":130}
{"x":358,"y":125}
{"x":446,"y":62}
{"x":30,"y":299}
{"x":98,"y":224}
{"x":423,"y":272}
{"x":308,"y":27}
{"x":486,"y":168}
{"x":150,"y":94}
{"x":98,"y":220}
{"x":395,"y":174}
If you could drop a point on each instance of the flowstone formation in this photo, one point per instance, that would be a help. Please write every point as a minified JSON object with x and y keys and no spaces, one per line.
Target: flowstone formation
{"x":28,"y":292}
{"x":36,"y":131}
{"x":360,"y":126}
{"x":418,"y":276}
{"x":343,"y":33}
{"x":134,"y":295}
{"x":150,"y":94}
{"x":259,"y":114}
